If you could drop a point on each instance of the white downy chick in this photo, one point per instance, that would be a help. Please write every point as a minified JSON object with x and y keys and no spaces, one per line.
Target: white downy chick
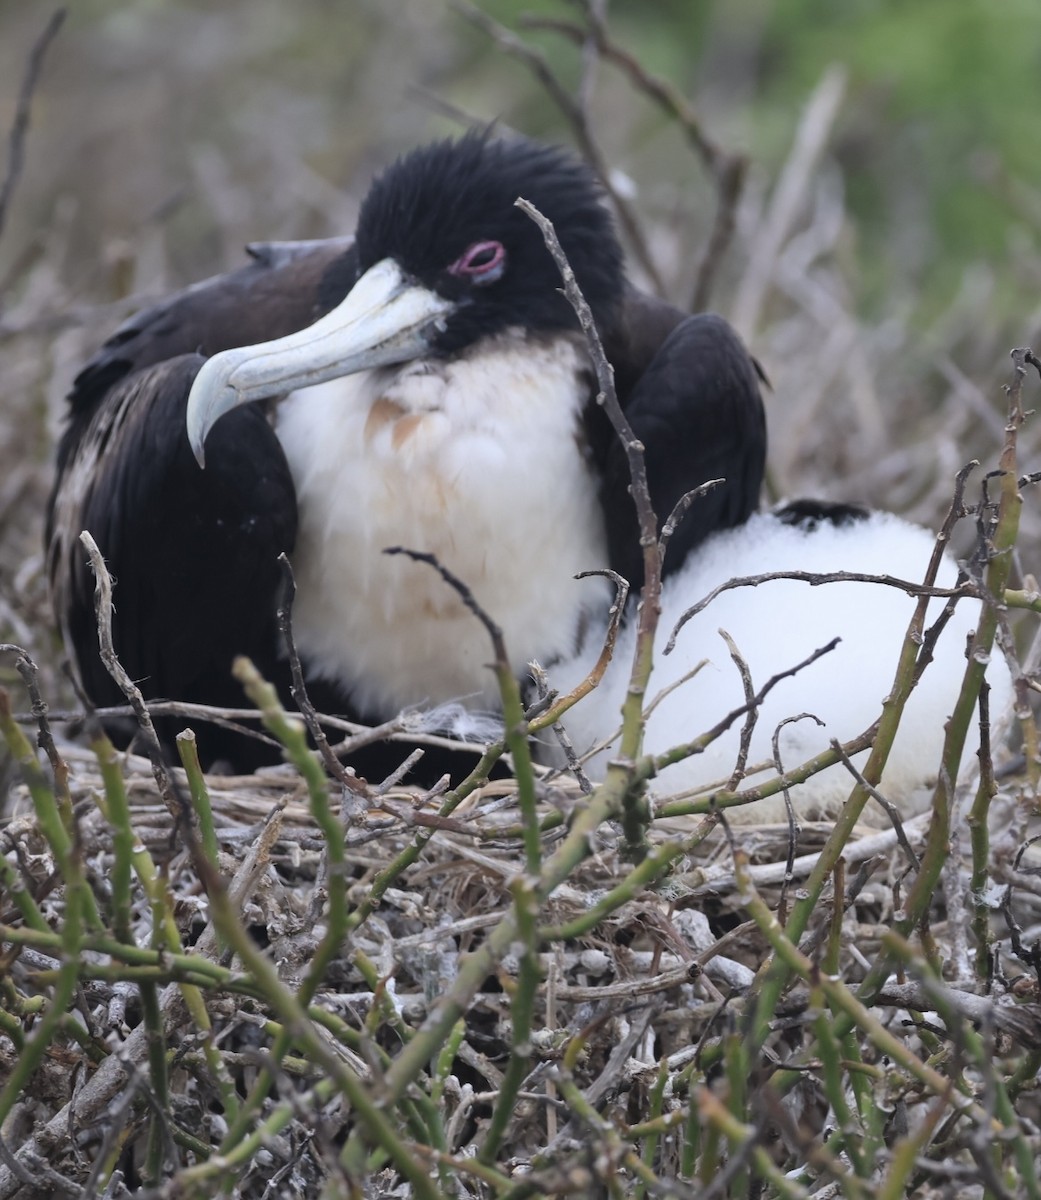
{"x":775,"y":626}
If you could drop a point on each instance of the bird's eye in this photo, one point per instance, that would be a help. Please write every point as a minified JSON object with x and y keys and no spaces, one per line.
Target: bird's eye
{"x":483,"y":262}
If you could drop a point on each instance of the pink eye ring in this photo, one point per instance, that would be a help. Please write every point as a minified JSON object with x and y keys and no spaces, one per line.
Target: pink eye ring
{"x":483,"y":262}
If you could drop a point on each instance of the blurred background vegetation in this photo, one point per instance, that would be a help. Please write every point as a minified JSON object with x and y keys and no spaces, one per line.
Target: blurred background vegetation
{"x":882,"y":300}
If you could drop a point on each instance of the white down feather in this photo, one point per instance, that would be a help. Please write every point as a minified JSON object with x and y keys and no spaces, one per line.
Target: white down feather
{"x":775,"y":626}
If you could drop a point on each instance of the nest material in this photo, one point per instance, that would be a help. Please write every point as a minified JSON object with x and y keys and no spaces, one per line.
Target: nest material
{"x":647,"y":988}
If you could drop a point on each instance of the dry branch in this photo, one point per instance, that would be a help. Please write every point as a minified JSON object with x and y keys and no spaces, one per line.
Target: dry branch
{"x":20,"y":125}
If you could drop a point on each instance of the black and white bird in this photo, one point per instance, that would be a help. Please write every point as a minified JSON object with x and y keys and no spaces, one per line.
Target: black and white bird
{"x":427,"y":386}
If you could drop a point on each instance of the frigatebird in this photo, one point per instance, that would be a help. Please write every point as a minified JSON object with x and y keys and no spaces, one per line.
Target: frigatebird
{"x":423,"y":384}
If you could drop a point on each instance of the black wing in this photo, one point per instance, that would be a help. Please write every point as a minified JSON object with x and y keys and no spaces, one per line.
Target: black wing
{"x":193,"y":553}
{"x":286,"y":287}
{"x":690,"y":391}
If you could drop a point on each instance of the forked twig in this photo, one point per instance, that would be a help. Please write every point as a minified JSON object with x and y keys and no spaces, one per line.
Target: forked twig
{"x":677,"y":753}
{"x":751,"y":710}
{"x":789,"y":807}
{"x":616,"y":612}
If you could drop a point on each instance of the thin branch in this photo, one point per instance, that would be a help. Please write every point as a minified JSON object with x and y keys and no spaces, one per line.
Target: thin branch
{"x":607,"y":397}
{"x":40,"y":712}
{"x":176,"y":804}
{"x":493,"y":630}
{"x":680,"y":511}
{"x":561,"y":704}
{"x":622,"y":774}
{"x":727,"y":170}
{"x":751,"y":711}
{"x":677,"y":753}
{"x":815,"y":579}
{"x":571,"y":759}
{"x":299,"y":688}
{"x":536,"y":62}
{"x":20,"y":124}
{"x":891,"y":809}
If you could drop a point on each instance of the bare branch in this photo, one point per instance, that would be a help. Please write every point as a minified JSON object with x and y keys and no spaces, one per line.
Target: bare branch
{"x":493,"y":630}
{"x":607,"y":398}
{"x":20,"y":124}
{"x":727,"y":170}
{"x":815,"y":579}
{"x":576,"y":117}
{"x":816,"y":125}
{"x":40,"y":712}
{"x":891,"y":810}
{"x":680,"y":511}
{"x":789,"y":807}
{"x":176,"y":804}
{"x":299,"y":688}
{"x":677,"y":753}
{"x":751,"y":711}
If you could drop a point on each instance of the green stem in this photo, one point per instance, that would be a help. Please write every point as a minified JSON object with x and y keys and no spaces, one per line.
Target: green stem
{"x":522,"y":1010}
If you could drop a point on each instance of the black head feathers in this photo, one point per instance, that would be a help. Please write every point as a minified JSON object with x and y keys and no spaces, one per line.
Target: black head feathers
{"x":446,"y":213}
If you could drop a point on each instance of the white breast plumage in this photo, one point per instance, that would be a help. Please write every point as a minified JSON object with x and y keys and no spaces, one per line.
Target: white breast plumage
{"x":437,"y":456}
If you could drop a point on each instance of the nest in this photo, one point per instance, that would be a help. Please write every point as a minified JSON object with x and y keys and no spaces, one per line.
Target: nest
{"x":630,"y":991}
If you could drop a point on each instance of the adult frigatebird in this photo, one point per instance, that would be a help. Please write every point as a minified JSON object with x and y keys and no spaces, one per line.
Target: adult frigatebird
{"x":428,"y":387}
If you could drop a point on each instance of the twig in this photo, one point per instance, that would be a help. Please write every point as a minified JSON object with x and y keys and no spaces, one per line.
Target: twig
{"x":516,"y":726}
{"x":493,"y":630}
{"x":751,"y":711}
{"x":177,"y":805}
{"x":399,"y":772}
{"x":445,"y":108}
{"x":607,"y":398}
{"x":679,"y":511}
{"x":20,"y":124}
{"x":298,"y":687}
{"x":815,"y":579}
{"x":635,"y":816}
{"x":789,"y":807}
{"x":574,"y":766}
{"x":40,"y":713}
{"x":727,"y":170}
{"x":811,"y":138}
{"x":678,"y":753}
{"x":891,"y":809}
{"x":536,"y":62}
{"x":592,"y":680}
